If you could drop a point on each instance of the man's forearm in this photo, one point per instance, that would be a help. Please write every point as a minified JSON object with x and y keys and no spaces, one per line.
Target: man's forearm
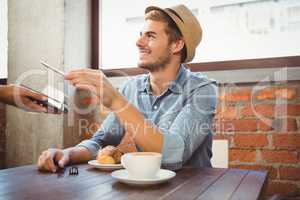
{"x":3,"y":93}
{"x":148,"y":137}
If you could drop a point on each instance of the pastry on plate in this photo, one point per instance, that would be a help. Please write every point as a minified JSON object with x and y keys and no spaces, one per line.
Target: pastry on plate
{"x":109,"y":155}
{"x":105,"y":159}
{"x":112,"y":155}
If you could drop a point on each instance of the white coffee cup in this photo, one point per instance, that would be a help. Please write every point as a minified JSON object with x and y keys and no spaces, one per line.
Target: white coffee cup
{"x":142,"y":165}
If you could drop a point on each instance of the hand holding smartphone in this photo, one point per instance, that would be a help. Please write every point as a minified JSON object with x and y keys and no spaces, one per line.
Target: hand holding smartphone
{"x":54,"y":105}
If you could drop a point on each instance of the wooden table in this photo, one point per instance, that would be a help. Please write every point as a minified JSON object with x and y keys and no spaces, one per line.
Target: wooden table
{"x":190,"y":183}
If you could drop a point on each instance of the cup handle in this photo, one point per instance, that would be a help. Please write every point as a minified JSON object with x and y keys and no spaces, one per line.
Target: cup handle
{"x":122,"y":161}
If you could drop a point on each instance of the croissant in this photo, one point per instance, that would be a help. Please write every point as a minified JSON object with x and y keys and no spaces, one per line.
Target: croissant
{"x":105,"y":159}
{"x":112,"y":155}
{"x":109,"y":155}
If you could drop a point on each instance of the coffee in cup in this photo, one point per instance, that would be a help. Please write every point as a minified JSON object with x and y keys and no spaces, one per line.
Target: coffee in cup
{"x":142,"y":165}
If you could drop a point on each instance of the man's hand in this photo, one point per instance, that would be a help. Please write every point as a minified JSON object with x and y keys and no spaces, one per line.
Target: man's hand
{"x":127,"y":144}
{"x":97,"y":83}
{"x":51,"y":159}
{"x":22,"y":97}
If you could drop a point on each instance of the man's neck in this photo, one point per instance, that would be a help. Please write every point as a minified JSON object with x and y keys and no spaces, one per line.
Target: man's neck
{"x":160,"y":80}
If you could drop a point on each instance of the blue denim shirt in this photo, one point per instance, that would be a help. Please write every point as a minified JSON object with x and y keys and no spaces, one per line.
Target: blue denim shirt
{"x":183,"y":113}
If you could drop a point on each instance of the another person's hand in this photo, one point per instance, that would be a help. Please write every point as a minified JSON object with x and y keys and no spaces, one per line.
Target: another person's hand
{"x":96,"y":82}
{"x":51,"y":159}
{"x":22,"y":97}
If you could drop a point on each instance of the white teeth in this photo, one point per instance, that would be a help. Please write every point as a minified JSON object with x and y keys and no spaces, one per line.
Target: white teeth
{"x":144,"y":51}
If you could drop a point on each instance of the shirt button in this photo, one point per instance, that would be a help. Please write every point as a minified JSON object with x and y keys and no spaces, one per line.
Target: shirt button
{"x":155,"y":107}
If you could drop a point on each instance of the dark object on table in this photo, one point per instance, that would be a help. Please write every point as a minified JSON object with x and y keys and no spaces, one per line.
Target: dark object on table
{"x":73,"y":171}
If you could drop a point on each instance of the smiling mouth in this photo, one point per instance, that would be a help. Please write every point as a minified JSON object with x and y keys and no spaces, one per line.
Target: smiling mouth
{"x":144,"y":51}
{"x":143,"y":55}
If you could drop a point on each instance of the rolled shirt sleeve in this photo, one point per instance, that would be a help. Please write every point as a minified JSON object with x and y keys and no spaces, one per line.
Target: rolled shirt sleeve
{"x":190,"y":127}
{"x":110,"y":133}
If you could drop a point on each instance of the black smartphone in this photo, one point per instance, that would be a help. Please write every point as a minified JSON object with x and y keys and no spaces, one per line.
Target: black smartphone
{"x":53,"y":105}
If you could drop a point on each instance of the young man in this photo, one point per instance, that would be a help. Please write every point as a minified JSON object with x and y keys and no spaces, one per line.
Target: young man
{"x":22,"y":98}
{"x":169,"y":110}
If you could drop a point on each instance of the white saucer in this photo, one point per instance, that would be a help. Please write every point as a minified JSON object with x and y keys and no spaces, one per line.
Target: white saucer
{"x":162,"y":175}
{"x":106,"y":167}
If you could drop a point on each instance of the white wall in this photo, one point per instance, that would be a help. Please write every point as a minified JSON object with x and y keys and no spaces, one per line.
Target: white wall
{"x":77,"y":34}
{"x":3,"y":39}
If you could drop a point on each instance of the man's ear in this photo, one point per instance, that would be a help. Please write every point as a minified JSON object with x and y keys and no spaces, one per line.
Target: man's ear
{"x":177,"y":46}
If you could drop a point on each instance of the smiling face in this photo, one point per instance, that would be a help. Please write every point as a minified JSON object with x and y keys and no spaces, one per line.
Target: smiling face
{"x":154,"y":46}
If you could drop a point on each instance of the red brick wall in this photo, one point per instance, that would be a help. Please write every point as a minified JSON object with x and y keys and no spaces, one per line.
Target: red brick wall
{"x":262,"y":125}
{"x":2,"y":135}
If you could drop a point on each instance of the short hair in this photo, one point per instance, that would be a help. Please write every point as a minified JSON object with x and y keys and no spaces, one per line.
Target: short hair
{"x":171,"y":28}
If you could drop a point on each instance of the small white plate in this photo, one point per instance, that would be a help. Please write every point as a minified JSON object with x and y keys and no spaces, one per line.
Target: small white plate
{"x":162,"y":175}
{"x":106,"y":167}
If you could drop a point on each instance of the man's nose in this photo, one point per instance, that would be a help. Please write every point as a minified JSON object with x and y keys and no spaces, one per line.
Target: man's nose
{"x":140,"y":42}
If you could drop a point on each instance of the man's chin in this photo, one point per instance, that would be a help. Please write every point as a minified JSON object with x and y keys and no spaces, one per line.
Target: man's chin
{"x":144,"y":65}
{"x":152,"y":66}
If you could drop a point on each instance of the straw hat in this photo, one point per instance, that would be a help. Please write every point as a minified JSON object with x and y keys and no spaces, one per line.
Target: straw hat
{"x":187,"y":24}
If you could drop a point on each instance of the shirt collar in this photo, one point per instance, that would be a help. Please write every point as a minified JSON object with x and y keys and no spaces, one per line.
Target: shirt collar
{"x":176,"y":86}
{"x":145,"y":84}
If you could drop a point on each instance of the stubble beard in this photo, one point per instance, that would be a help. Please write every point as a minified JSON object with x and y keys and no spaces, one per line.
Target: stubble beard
{"x":159,"y":64}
